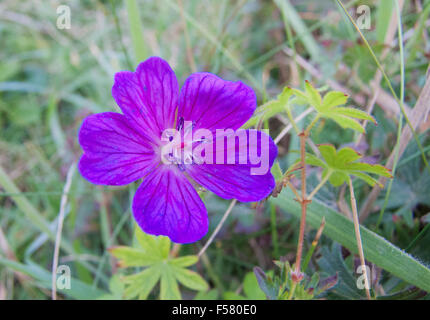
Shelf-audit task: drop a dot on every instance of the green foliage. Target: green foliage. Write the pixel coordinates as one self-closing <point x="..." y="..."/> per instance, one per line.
<point x="339" y="165"/>
<point x="282" y="287"/>
<point x="331" y="261"/>
<point x="329" y="107"/>
<point x="153" y="253"/>
<point x="376" y="249"/>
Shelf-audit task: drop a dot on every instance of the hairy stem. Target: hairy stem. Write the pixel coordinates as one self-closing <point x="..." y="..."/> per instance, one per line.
<point x="314" y="245"/>
<point x="358" y="237"/>
<point x="304" y="202"/>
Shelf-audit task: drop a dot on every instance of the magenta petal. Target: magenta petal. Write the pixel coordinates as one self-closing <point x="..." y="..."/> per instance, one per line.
<point x="235" y="180"/>
<point x="214" y="103"/>
<point x="167" y="204"/>
<point x="148" y="97"/>
<point x="114" y="153"/>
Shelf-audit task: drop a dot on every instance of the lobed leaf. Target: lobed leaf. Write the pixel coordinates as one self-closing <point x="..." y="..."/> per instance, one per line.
<point x="169" y="289"/>
<point x="131" y="257"/>
<point x="189" y="279"/>
<point x="334" y="99"/>
<point x="343" y="163"/>
<point x="184" y="261"/>
<point x="142" y="283"/>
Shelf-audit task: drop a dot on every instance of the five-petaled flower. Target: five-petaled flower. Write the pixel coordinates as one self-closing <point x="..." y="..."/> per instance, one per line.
<point x="122" y="148"/>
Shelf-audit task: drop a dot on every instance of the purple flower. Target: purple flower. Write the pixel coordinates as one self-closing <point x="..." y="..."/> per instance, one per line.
<point x="122" y="148"/>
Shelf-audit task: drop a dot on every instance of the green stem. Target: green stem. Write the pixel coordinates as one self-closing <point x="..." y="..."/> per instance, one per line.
<point x="319" y="186"/>
<point x="291" y="118"/>
<point x="358" y="237"/>
<point x="310" y="126"/>
<point x="293" y="289"/>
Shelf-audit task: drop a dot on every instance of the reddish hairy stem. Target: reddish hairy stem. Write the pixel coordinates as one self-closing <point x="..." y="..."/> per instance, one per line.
<point x="303" y="201"/>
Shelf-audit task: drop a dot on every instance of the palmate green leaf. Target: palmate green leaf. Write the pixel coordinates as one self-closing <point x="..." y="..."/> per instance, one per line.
<point x="376" y="249"/>
<point x="149" y="250"/>
<point x="329" y="107"/>
<point x="153" y="253"/>
<point x="343" y="163"/>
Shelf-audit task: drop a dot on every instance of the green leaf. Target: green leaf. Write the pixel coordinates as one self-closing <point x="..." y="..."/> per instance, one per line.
<point x="376" y="249"/>
<point x="153" y="252"/>
<point x="355" y="113"/>
<point x="371" y="168"/>
<point x="142" y="283"/>
<point x="266" y="284"/>
<point x="312" y="160"/>
<point x="337" y="178"/>
<point x="344" y="122"/>
<point x="156" y="246"/>
<point x="343" y="163"/>
<point x="328" y="107"/>
<point x="334" y="99"/>
<point x="169" y="289"/>
<point x="131" y="257"/>
<point x="185" y="261"/>
<point x="313" y="96"/>
<point x="251" y="288"/>
<point x="190" y="279"/>
<point x="270" y="108"/>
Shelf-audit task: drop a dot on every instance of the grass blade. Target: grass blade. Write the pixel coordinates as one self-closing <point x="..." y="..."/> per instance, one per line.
<point x="136" y="30"/>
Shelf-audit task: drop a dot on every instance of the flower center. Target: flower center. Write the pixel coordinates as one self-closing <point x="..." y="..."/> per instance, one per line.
<point x="179" y="147"/>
